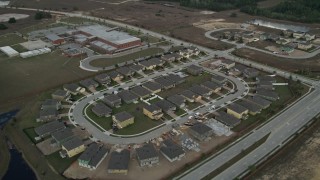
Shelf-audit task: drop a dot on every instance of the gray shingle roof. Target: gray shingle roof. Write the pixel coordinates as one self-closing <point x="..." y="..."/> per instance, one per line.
<point x="71" y="87"/>
<point x="101" y="109"/>
<point x="62" y="134"/>
<point x="102" y="78"/>
<point x="119" y="160"/>
<point x="125" y="71"/>
<point x="165" y="105"/>
<point x="189" y="94"/>
<point x="153" y="86"/>
<point x="48" y="112"/>
<point x="60" y="92"/>
<point x="136" y="67"/>
<point x="259" y="101"/>
<point x="87" y="83"/>
<point x="171" y="149"/>
<point x="72" y="143"/>
<point x="251" y="106"/>
<point x="127" y="96"/>
<point x="199" y="90"/>
<point x="237" y="108"/>
<point x="200" y="128"/>
<point x="227" y="119"/>
<point x="211" y="85"/>
<point x="164" y="82"/>
<point x="146" y="152"/>
<point x="176" y="99"/>
<point x="111" y="98"/>
<point x="123" y="116"/>
<point x="49" y="127"/>
<point x="140" y="91"/>
<point x="175" y="78"/>
<point x="152" y="108"/>
<point x="50" y="102"/>
<point x="94" y="154"/>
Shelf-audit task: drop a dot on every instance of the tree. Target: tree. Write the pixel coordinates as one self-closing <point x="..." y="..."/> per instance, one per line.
<point x="12" y="20"/>
<point x="3" y="27"/>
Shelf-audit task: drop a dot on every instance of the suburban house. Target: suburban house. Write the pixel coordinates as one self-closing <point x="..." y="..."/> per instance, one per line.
<point x="171" y="57"/>
<point x="305" y="46"/>
<point x="60" y="95"/>
<point x="165" y="83"/>
<point x="201" y="131"/>
<point x="178" y="100"/>
<point x="194" y="70"/>
<point x="218" y="79"/>
<point x="283" y="41"/>
<point x="152" y="86"/>
<point x="73" y="88"/>
<point x="103" y="79"/>
<point x="237" y="110"/>
<point x="265" y="85"/>
<point x="190" y="96"/>
<point x="309" y="37"/>
<point x="147" y="155"/>
<point x="250" y="73"/>
<point x="72" y="147"/>
<point x="175" y="78"/>
<point x="101" y="110"/>
<point x="253" y="108"/>
<point x="119" y="162"/>
<point x="51" y="104"/>
<point x="141" y="91"/>
<point x="298" y="35"/>
<point x="48" y="128"/>
<point x="267" y="94"/>
<point x="171" y="150"/>
<point x="194" y="50"/>
<point x="93" y="156"/>
<point x="152" y="111"/>
<point x="89" y="84"/>
<point x="112" y="100"/>
<point x="147" y="65"/>
<point x="123" y="119"/>
<point x="227" y="119"/>
<point x="136" y="67"/>
<point x="259" y="101"/>
<point x="127" y="96"/>
<point x="212" y="86"/>
<point x="62" y="135"/>
<point x="125" y="71"/>
<point x="115" y="76"/>
<point x="166" y="106"/>
<point x="202" y="91"/>
<point x="48" y="114"/>
<point x="287" y="33"/>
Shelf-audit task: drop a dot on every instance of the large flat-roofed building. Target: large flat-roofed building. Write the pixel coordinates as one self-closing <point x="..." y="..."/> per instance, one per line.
<point x="105" y="38"/>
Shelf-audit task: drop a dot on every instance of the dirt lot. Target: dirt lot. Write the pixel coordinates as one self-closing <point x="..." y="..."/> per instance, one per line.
<point x="164" y="169"/>
<point x="312" y="64"/>
<point x="299" y="160"/>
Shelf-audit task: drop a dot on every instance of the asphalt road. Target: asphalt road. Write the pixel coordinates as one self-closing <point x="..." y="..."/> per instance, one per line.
<point x="76" y="111"/>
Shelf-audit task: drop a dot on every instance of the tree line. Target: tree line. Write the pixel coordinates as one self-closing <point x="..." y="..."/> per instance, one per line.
<point x="294" y="10"/>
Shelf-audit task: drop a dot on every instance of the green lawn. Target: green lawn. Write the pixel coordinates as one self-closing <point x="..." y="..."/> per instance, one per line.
<point x="149" y="39"/>
<point x="49" y="23"/>
<point x="190" y="80"/>
<point x="193" y="105"/>
<point x="60" y="164"/>
<point x="141" y="122"/>
<point x="112" y="61"/>
<point x="104" y="122"/>
<point x="10" y="39"/>
<point x="179" y="112"/>
<point x="19" y="48"/>
<point x="31" y="134"/>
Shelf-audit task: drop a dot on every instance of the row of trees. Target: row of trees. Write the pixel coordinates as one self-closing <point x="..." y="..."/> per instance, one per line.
<point x="294" y="10"/>
<point x="215" y="5"/>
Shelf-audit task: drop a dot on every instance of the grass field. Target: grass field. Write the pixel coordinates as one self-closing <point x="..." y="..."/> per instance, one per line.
<point x="26" y="77"/>
<point x="31" y="134"/>
<point x="19" y="48"/>
<point x="60" y="164"/>
<point x="141" y="122"/>
<point x="10" y="39"/>
<point x="111" y="61"/>
<point x="48" y="23"/>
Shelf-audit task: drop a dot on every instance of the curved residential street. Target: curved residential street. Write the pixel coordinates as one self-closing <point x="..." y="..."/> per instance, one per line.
<point x="281" y="127"/>
<point x="76" y="111"/>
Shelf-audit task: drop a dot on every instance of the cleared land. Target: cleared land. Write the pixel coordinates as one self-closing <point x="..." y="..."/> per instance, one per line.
<point x="10" y="39"/>
<point x="27" y="77"/>
<point x="111" y="61"/>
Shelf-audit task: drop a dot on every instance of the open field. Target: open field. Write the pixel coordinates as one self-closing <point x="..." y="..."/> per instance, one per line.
<point x="291" y="65"/>
<point x="26" y="77"/>
<point x="111" y="61"/>
<point x="10" y="39"/>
